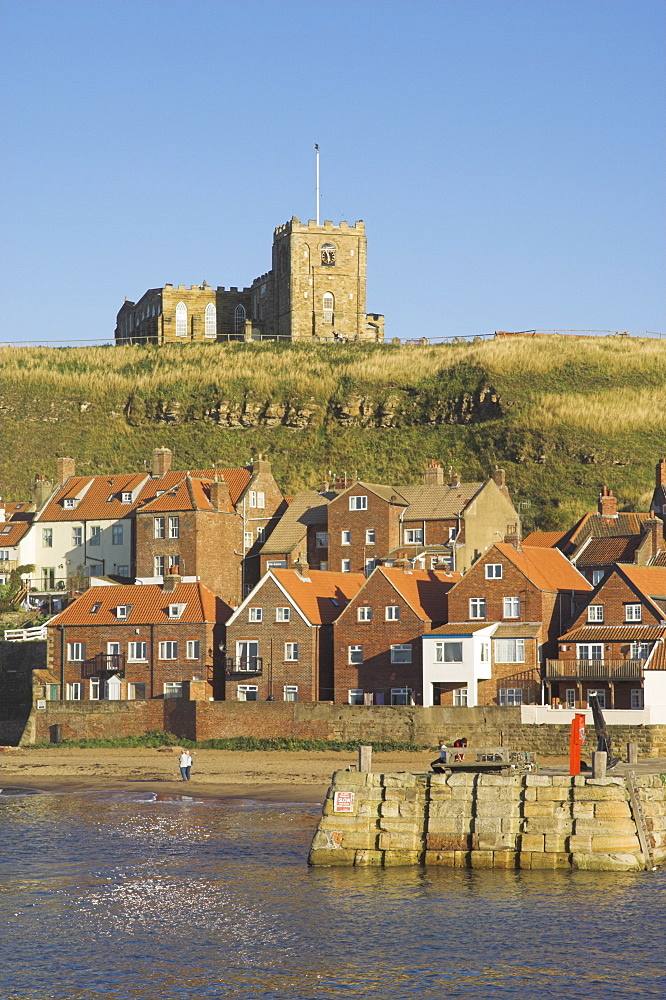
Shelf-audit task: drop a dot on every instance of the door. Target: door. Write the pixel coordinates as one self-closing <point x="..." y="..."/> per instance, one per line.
<point x="246" y="655"/>
<point x="112" y="688"/>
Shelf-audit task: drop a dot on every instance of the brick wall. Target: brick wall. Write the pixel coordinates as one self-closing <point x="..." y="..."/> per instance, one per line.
<point x="380" y="515"/>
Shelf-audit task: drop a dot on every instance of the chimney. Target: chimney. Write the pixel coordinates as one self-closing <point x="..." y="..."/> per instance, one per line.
<point x="607" y="505"/>
<point x="219" y="494"/>
<point x="455" y="482"/>
<point x="3" y="516"/>
<point x="261" y="464"/>
<point x="171" y="581"/>
<point x="499" y="475"/>
<point x="41" y="491"/>
<point x="302" y="568"/>
<point x="653" y="531"/>
<point x="661" y="472"/>
<point x="161" y="462"/>
<point x="434" y="474"/>
<point x="65" y="467"/>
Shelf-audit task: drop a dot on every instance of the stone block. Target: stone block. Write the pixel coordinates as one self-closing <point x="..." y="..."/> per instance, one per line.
<point x="369" y="858"/>
<point x="401" y="779"/>
<point x="525" y="859"/>
<point x="616" y="862"/>
<point x="498" y="842"/>
<point x="497" y="809"/>
<point x="561" y="780"/>
<point x="482" y="859"/>
<point x="554" y="794"/>
<point x="511" y="824"/>
<point x="580" y="843"/>
<point x="530" y="795"/>
<point x="368" y="809"/>
<point x="462" y="793"/>
<point x="538" y="781"/>
<point x="612" y="810"/>
<point x="605" y="782"/>
<point x="360" y="840"/>
<point x="438" y="780"/>
<point x="555" y="860"/>
<point x="505" y="859"/>
<point x="612" y="845"/>
<point x="506" y="782"/>
<point x="582" y="810"/>
<point x="449" y="842"/>
<point x="600" y="793"/>
<point x="399" y="858"/>
<point x="556" y="844"/>
<point x="541" y="809"/>
<point x="464" y="780"/>
<point x="606" y="827"/>
<point x="320" y="856"/>
<point x="400" y="794"/>
<point x="447" y="859"/>
<point x="488" y="824"/>
<point x="531" y="842"/>
<point x="448" y="808"/>
<point x="544" y="825"/>
<point x="351" y="780"/>
<point x="463" y="859"/>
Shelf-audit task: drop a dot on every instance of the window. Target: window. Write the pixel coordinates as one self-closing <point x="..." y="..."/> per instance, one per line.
<point x="261" y="534"/>
<point x="358" y="503"/>
<point x="94" y="689"/>
<point x="512" y="607"/>
<point x="511" y="696"/>
<point x="640" y="650"/>
<point x="173" y="689"/>
<point x="158" y="565"/>
<point x="369" y="566"/>
<point x="123" y="610"/>
<point x="192" y="649"/>
<point x="484" y="652"/>
<point x="477" y="607"/>
<point x="290" y="692"/>
<point x="158" y="527"/>
<point x="117" y="534"/>
<point x="282" y="614"/>
<point x="601" y="696"/>
<point x="453" y="534"/>
<point x="69" y="503"/>
<point x="356" y="696"/>
<point x="210" y="321"/>
<point x="181" y="320"/>
<point x="261" y="499"/>
<point x="401" y="653"/>
<point x="364" y="614"/>
<point x="633" y="612"/>
<point x="590" y="651"/>
<point x="113" y="649"/>
<point x="276" y="564"/>
<point x="369" y="536"/>
<point x="95" y="534"/>
<point x="509" y="650"/>
<point x="247" y="692"/>
<point x="168" y="650"/>
<point x="291" y="651"/>
<point x="355" y="654"/>
<point x="346" y="566"/>
<point x="345" y="538"/>
<point x="248" y="540"/>
<point x="137" y="652"/>
<point x="4" y="554"/>
<point x="448" y="652"/>
<point x="239" y="325"/>
<point x="321" y="539"/>
<point x="400" y="696"/>
<point x="126" y="496"/>
<point x="174" y="526"/>
<point x="493" y="571"/>
<point x="595" y="613"/>
<point x="123" y="571"/>
<point x="328" y="304"/>
<point x="392" y="613"/>
<point x="459" y="696"/>
<point x="252" y="498"/>
<point x="47" y="538"/>
<point x="73" y="691"/>
<point x="247" y="655"/>
<point x="48" y="577"/>
<point x="76" y="651"/>
<point x="77" y="536"/>
<point x="136" y="692"/>
<point x="413" y="535"/>
<point x="570" y="697"/>
<point x="255" y="614"/>
<point x="597" y="576"/>
<point x="176" y="610"/>
<point x="636" y="698"/>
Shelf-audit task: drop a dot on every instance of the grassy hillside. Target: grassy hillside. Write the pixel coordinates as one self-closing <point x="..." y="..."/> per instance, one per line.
<point x="561" y="415"/>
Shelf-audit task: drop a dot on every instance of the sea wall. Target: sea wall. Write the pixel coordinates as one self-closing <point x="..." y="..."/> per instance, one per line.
<point x="204" y="720"/>
<point x="492" y="821"/>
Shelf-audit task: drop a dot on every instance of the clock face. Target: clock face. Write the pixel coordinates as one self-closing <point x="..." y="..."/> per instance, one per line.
<point x="328" y="255"/>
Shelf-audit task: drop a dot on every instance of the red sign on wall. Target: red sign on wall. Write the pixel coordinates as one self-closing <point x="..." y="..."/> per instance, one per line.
<point x="343" y="802"/>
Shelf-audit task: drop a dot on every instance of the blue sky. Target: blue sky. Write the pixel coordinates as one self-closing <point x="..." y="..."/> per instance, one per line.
<point x="506" y="157"/>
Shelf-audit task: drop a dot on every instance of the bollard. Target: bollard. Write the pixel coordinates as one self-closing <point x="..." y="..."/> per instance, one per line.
<point x="632" y="753"/>
<point x="55" y="733"/>
<point x="365" y="758"/>
<point x="599" y="761"/>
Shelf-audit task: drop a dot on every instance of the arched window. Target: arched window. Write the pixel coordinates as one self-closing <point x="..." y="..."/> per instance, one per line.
<point x="239" y="320"/>
<point x="210" y="322"/>
<point x="181" y="320"/>
<point x="328" y="304"/>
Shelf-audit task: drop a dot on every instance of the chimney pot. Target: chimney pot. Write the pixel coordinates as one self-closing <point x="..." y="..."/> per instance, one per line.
<point x="66" y="467"/>
<point x="171" y="581"/>
<point x="434" y="474"/>
<point x="607" y="503"/>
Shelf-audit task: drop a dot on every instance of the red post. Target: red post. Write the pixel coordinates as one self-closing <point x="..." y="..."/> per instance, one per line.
<point x="576" y="740"/>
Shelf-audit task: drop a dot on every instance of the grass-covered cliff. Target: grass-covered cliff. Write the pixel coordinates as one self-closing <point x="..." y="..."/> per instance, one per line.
<point x="561" y="415"/>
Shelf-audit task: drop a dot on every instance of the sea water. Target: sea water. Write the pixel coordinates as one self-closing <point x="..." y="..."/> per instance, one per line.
<point x="121" y="895"/>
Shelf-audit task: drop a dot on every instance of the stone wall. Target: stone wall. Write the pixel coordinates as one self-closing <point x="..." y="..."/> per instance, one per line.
<point x="490" y="821"/>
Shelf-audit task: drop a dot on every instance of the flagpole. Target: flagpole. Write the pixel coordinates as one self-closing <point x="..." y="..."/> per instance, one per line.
<point x="317" y="180"/>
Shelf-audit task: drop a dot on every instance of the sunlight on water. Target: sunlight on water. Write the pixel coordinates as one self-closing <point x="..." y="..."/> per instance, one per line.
<point x="115" y="895"/>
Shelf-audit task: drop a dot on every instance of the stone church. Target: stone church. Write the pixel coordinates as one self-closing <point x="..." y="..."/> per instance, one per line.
<point x="315" y="291"/>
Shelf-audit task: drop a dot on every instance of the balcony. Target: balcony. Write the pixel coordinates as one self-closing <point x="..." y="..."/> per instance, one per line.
<point x="104" y="664"/>
<point x="594" y="670"/>
<point x="250" y="666"/>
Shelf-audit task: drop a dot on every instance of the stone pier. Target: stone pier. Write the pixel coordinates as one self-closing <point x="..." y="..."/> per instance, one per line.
<point x="492" y="821"/>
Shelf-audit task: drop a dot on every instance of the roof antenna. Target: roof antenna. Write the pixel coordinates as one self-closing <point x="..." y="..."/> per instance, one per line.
<point x="317" y="179"/>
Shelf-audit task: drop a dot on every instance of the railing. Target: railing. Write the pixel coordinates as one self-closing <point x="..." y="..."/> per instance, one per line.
<point x="36" y="634"/>
<point x="104" y="663"/>
<point x="7" y="565"/>
<point x="243" y="665"/>
<point x="595" y="670"/>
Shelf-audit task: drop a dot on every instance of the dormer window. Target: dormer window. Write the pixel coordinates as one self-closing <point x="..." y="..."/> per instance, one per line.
<point x="123" y="611"/>
<point x="69" y="503"/>
<point x="126" y="496"/>
<point x="176" y="610"/>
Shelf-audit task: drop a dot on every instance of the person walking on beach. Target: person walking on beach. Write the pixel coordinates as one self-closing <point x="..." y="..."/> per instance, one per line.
<point x="185" y="764"/>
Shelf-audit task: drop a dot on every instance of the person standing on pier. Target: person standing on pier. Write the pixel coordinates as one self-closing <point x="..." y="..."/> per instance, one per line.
<point x="185" y="764"/>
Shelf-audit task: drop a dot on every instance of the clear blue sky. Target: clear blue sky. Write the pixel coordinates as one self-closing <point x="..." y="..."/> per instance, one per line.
<point x="506" y="157"/>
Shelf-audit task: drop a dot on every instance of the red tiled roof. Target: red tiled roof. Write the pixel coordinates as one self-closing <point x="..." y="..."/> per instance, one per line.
<point x="657" y="660"/>
<point x="12" y="507"/>
<point x="543" y="539"/>
<point x="614" y="633"/>
<point x="650" y="580"/>
<point x="547" y="569"/>
<point x="606" y="551"/>
<point x="236" y="479"/>
<point x="11" y="532"/>
<point x="659" y="559"/>
<point x="150" y="605"/>
<point x="626" y="523"/>
<point x="424" y="590"/>
<point x="188" y="494"/>
<point x="315" y="595"/>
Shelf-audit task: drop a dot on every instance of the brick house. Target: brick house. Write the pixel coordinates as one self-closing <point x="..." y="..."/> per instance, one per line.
<point x="529" y="595"/>
<point x="137" y="641"/>
<point x="279" y="642"/>
<point x="658" y="502"/>
<point x="436" y="524"/>
<point x="616" y="645"/>
<point x="377" y="656"/>
<point x="301" y="533"/>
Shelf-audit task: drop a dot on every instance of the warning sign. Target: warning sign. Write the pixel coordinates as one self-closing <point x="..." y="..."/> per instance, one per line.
<point x="343" y="802"/>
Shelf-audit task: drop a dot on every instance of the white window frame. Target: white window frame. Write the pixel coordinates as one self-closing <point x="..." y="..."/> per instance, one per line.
<point x="442" y="648"/>
<point x="176" y="610"/>
<point x="345" y="566"/>
<point x="633" y="612"/>
<point x="640" y="650"/>
<point x="248" y="539"/>
<point x="252" y="498"/>
<point x="511" y="607"/>
<point x="582" y="647"/>
<point x="364" y="613"/>
<point x="240" y="315"/>
<point x="570" y="697"/>
<point x="291" y="652"/>
<point x="210" y="321"/>
<point x="123" y="612"/>
<point x="595" y="612"/>
<point x="77" y="536"/>
<point x="600" y="693"/>
<point x="460" y="697"/>
<point x="193" y="649"/>
<point x="283" y="614"/>
<point x="126" y="496"/>
<point x="511" y="697"/>
<point x="401" y="652"/>
<point x="93" y="692"/>
<point x="159" y="527"/>
<point x="509" y="650"/>
<point x="243" y="690"/>
<point x="135" y="649"/>
<point x="370" y="535"/>
<point x="47" y="538"/>
<point x="392" y="613"/>
<point x="76" y="652"/>
<point x="123" y="570"/>
<point x="477" y="608"/>
<point x="74" y="691"/>
<point x="355" y="654"/>
<point x="355" y="696"/>
<point x="158" y="565"/>
<point x="413" y="536"/>
<point x="493" y="571"/>
<point x="181" y="320"/>
<point x="174" y="526"/>
<point x="168" y="649"/>
<point x="69" y="503"/>
<point x="255" y="615"/>
<point x="173" y="689"/>
<point x="328" y="307"/>
<point x="290" y="692"/>
<point x="358" y="503"/>
<point x="597" y="576"/>
<point x="401" y="696"/>
<point x="484" y="651"/>
<point x="261" y="533"/>
<point x="261" y="499"/>
<point x="345" y="537"/>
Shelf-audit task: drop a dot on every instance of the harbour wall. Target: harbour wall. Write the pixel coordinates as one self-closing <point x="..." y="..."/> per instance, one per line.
<point x="205" y="720"/>
<point x="493" y="821"/>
